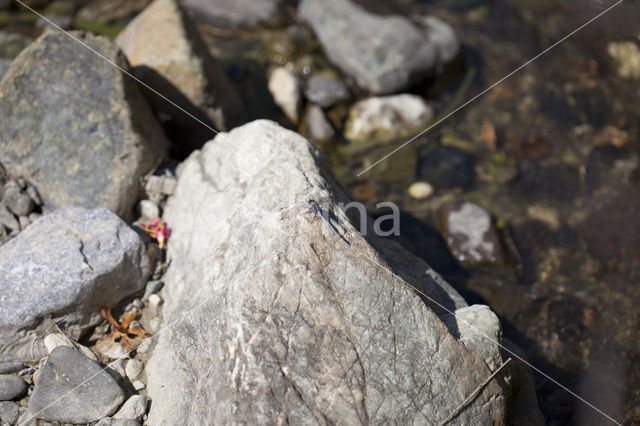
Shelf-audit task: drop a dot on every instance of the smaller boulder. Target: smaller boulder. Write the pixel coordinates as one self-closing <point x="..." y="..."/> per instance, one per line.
<point x="11" y="387"/>
<point x="69" y="264"/>
<point x="167" y="53"/>
<point x="74" y="389"/>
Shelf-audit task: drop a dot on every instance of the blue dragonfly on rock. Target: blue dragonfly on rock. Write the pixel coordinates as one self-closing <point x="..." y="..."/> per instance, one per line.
<point x="315" y="208"/>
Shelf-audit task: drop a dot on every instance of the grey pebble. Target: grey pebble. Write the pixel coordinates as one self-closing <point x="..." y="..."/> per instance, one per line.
<point x="151" y="288"/>
<point x="10" y="367"/>
<point x="11" y="387"/>
<point x="134" y="408"/>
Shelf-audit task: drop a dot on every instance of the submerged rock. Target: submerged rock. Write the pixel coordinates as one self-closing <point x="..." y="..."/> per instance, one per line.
<point x="446" y="167"/>
<point x="74" y="389"/>
<point x="626" y="55"/>
<point x="288" y="322"/>
<point x="382" y="119"/>
<point x="326" y="90"/>
<point x="68" y="264"/>
<point x="384" y="54"/>
<point x="79" y="130"/>
<point x="469" y="233"/>
<point x="167" y="53"/>
<point x="234" y="13"/>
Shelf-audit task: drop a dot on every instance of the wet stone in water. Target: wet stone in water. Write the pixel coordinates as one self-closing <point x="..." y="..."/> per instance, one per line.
<point x="468" y="231"/>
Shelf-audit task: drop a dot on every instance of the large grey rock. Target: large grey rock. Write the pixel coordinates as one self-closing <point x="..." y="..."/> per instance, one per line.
<point x="75" y="126"/>
<point x="11" y="387"/>
<point x="383" y="53"/>
<point x="234" y="13"/>
<point x="66" y="265"/>
<point x="289" y="323"/>
<point x="74" y="389"/>
<point x="163" y="46"/>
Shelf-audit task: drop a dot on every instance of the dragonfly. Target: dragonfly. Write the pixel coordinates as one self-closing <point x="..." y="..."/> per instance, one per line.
<point x="315" y="208"/>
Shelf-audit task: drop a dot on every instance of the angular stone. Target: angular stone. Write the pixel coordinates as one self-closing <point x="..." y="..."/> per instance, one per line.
<point x="134" y="369"/>
<point x="163" y="46"/>
<point x="317" y="125"/>
<point x="293" y="322"/>
<point x="234" y="13"/>
<point x="11" y="387"/>
<point x="384" y="54"/>
<point x="74" y="389"/>
<point x="285" y="89"/>
<point x="68" y="264"/>
<point x="134" y="408"/>
<point x="79" y="130"/>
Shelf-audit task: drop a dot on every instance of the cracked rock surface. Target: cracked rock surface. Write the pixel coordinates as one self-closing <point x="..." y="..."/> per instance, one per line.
<point x="289" y="323"/>
<point x="66" y="265"/>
